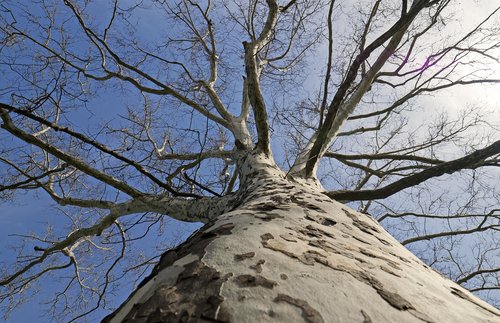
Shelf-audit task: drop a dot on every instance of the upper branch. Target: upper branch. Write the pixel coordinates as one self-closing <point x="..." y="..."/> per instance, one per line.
<point x="340" y="109"/>
<point x="476" y="273"/>
<point x="329" y="63"/>
<point x="382" y="156"/>
<point x="97" y="145"/>
<point x="158" y="87"/>
<point x="9" y="126"/>
<point x="471" y="161"/>
<point x="203" y="210"/>
<point x="482" y="226"/>
<point x="253" y="70"/>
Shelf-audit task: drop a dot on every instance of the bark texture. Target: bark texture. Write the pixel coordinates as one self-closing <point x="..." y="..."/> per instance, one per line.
<point x="288" y="253"/>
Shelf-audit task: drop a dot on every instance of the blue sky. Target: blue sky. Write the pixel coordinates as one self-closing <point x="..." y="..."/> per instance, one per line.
<point x="30" y="211"/>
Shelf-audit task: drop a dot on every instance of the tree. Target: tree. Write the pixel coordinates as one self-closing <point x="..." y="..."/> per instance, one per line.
<point x="205" y="85"/>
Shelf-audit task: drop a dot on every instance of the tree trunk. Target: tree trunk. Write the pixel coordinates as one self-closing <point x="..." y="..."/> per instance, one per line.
<point x="288" y="253"/>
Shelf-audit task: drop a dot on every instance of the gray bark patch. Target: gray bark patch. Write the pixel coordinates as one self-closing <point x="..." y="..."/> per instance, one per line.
<point x="328" y="222"/>
<point x="266" y="236"/>
<point x="194" y="298"/>
<point x="266" y="207"/>
<point x="269" y="216"/>
<point x="394" y="299"/>
<point x="307" y="206"/>
<point x="309" y="314"/>
<point x="244" y="256"/>
<point x="324" y="245"/>
<point x="321" y="220"/>
<point x="312" y="256"/>
<point x="314" y="232"/>
<point x="258" y="266"/>
<point x="254" y="281"/>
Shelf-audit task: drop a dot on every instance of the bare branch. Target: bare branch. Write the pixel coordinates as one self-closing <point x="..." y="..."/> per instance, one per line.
<point x="253" y="69"/>
<point x="479" y="228"/>
<point x="71" y="160"/>
<point x="97" y="145"/>
<point x="471" y="161"/>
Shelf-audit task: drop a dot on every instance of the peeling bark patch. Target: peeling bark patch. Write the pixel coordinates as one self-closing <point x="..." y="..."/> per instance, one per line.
<point x="328" y="222"/>
<point x="254" y="281"/>
<point x="400" y="258"/>
<point x="361" y="225"/>
<point x="324" y="245"/>
<point x="309" y="314"/>
<point x="321" y="220"/>
<point x="269" y="216"/>
<point x="312" y="256"/>
<point x="314" y="232"/>
<point x="361" y="240"/>
<point x="309" y="206"/>
<point x="387" y="243"/>
<point x="314" y="208"/>
<point x="244" y="256"/>
<point x="389" y="262"/>
<point x="308" y="257"/>
<point x="368" y="253"/>
<point x="459" y="293"/>
<point x="296" y="199"/>
<point x="394" y="265"/>
<point x="258" y="266"/>
<point x="222" y="230"/>
<point x="279" y="199"/>
<point x="394" y="299"/>
<point x="287" y="237"/>
<point x="361" y="260"/>
<point x="194" y="298"/>
<point x="279" y="248"/>
<point x="266" y="236"/>
<point x="365" y="227"/>
<point x="366" y="317"/>
<point x="266" y="207"/>
<point x="387" y="270"/>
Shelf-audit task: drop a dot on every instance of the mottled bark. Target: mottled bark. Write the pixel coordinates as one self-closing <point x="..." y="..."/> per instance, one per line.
<point x="288" y="253"/>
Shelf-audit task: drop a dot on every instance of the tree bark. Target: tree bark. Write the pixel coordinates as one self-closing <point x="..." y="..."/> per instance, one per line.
<point x="288" y="253"/>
